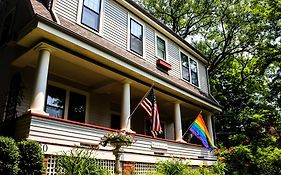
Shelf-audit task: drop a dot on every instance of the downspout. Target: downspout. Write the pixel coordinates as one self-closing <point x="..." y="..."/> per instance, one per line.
<point x="52" y="11"/>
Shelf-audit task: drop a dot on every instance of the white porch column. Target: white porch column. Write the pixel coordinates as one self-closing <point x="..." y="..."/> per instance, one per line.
<point x="40" y="83"/>
<point x="210" y="126"/>
<point x="125" y="123"/>
<point x="177" y="122"/>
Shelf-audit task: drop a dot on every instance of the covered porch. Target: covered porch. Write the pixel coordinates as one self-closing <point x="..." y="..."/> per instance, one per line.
<point x="72" y="100"/>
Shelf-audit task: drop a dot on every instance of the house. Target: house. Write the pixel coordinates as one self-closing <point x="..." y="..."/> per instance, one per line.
<point x="73" y="70"/>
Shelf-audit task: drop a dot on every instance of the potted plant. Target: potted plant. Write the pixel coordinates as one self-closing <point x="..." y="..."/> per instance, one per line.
<point x="117" y="140"/>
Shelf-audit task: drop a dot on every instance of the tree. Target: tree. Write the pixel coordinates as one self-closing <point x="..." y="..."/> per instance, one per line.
<point x="241" y="41"/>
<point x="185" y="17"/>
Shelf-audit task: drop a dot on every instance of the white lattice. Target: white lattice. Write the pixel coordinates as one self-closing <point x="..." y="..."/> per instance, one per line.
<point x="107" y="164"/>
<point x="140" y="168"/>
<point x="51" y="165"/>
<point x="144" y="168"/>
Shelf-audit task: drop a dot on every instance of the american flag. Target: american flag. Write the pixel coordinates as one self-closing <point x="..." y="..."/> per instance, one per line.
<point x="150" y="106"/>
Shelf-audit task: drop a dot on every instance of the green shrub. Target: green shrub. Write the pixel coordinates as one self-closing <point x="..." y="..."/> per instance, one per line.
<point x="178" y="167"/>
<point x="239" y="160"/>
<point x="268" y="161"/>
<point x="171" y="167"/>
<point x="78" y="162"/>
<point x="31" y="158"/>
<point x="9" y="156"/>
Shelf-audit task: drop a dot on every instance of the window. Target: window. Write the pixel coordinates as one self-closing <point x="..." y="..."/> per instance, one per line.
<point x="60" y="101"/>
<point x="185" y="67"/>
<point x="194" y="72"/>
<point x="161" y="48"/>
<point x="189" y="69"/>
<point x="91" y="14"/>
<point x="77" y="107"/>
<point x="136" y="37"/>
<point x="55" y="102"/>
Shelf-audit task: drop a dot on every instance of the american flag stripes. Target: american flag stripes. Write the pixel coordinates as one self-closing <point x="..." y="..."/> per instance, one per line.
<point x="150" y="106"/>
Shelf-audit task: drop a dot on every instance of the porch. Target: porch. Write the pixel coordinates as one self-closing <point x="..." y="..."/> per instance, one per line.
<point x="74" y="99"/>
<point x="56" y="135"/>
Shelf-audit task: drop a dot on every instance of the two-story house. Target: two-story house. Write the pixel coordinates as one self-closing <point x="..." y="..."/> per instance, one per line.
<point x="72" y="70"/>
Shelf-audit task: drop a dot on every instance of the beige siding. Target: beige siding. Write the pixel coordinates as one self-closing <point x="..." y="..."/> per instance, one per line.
<point x="150" y="45"/>
<point x="115" y="24"/>
<point x="174" y="59"/>
<point x="100" y="112"/>
<point x="67" y="9"/>
<point x="203" y="78"/>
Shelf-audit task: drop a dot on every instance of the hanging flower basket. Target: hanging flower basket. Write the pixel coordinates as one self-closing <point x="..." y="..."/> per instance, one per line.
<point x="117" y="139"/>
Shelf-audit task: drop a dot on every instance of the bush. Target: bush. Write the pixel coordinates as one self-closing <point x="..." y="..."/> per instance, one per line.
<point x="31" y="158"/>
<point x="9" y="156"/>
<point x="268" y="161"/>
<point x="239" y="160"/>
<point x="178" y="167"/>
<point x="171" y="167"/>
<point x="78" y="162"/>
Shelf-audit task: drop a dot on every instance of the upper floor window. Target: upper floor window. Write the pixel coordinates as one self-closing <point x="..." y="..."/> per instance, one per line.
<point x="63" y="103"/>
<point x="185" y="67"/>
<point x="194" y="72"/>
<point x="161" y="48"/>
<point x="189" y="69"/>
<point x="91" y="14"/>
<point x="136" y="37"/>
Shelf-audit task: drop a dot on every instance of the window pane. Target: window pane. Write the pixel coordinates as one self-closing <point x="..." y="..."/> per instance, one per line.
<point x="184" y="60"/>
<point x="136" y="29"/>
<point x="194" y="74"/>
<point x="90" y="19"/>
<point x="161" y="52"/>
<point x="194" y="78"/>
<point x="77" y="107"/>
<point x="193" y="66"/>
<point x="136" y="45"/>
<point x="55" y="101"/>
<point x="185" y="73"/>
<point x="93" y="4"/>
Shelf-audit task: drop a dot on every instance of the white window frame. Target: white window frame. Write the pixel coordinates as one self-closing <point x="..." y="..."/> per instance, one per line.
<point x="130" y="16"/>
<point x="79" y="17"/>
<point x="166" y="46"/>
<point x="190" y="78"/>
<point x="69" y="89"/>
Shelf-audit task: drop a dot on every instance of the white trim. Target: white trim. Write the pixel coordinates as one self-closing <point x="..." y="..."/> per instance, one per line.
<point x="130" y="16"/>
<point x="189" y="69"/>
<point x="69" y="89"/>
<point x="115" y="60"/>
<point x="66" y="105"/>
<point x="101" y="16"/>
<point x="166" y="46"/>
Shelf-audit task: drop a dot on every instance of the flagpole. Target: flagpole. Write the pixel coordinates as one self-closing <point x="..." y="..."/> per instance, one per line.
<point x="139" y="104"/>
<point x="190" y="125"/>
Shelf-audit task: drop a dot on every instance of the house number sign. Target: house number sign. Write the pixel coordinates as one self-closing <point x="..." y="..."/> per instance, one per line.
<point x="44" y="147"/>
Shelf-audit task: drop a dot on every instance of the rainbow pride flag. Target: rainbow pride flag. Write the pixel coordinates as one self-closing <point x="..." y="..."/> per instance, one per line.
<point x="199" y="129"/>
